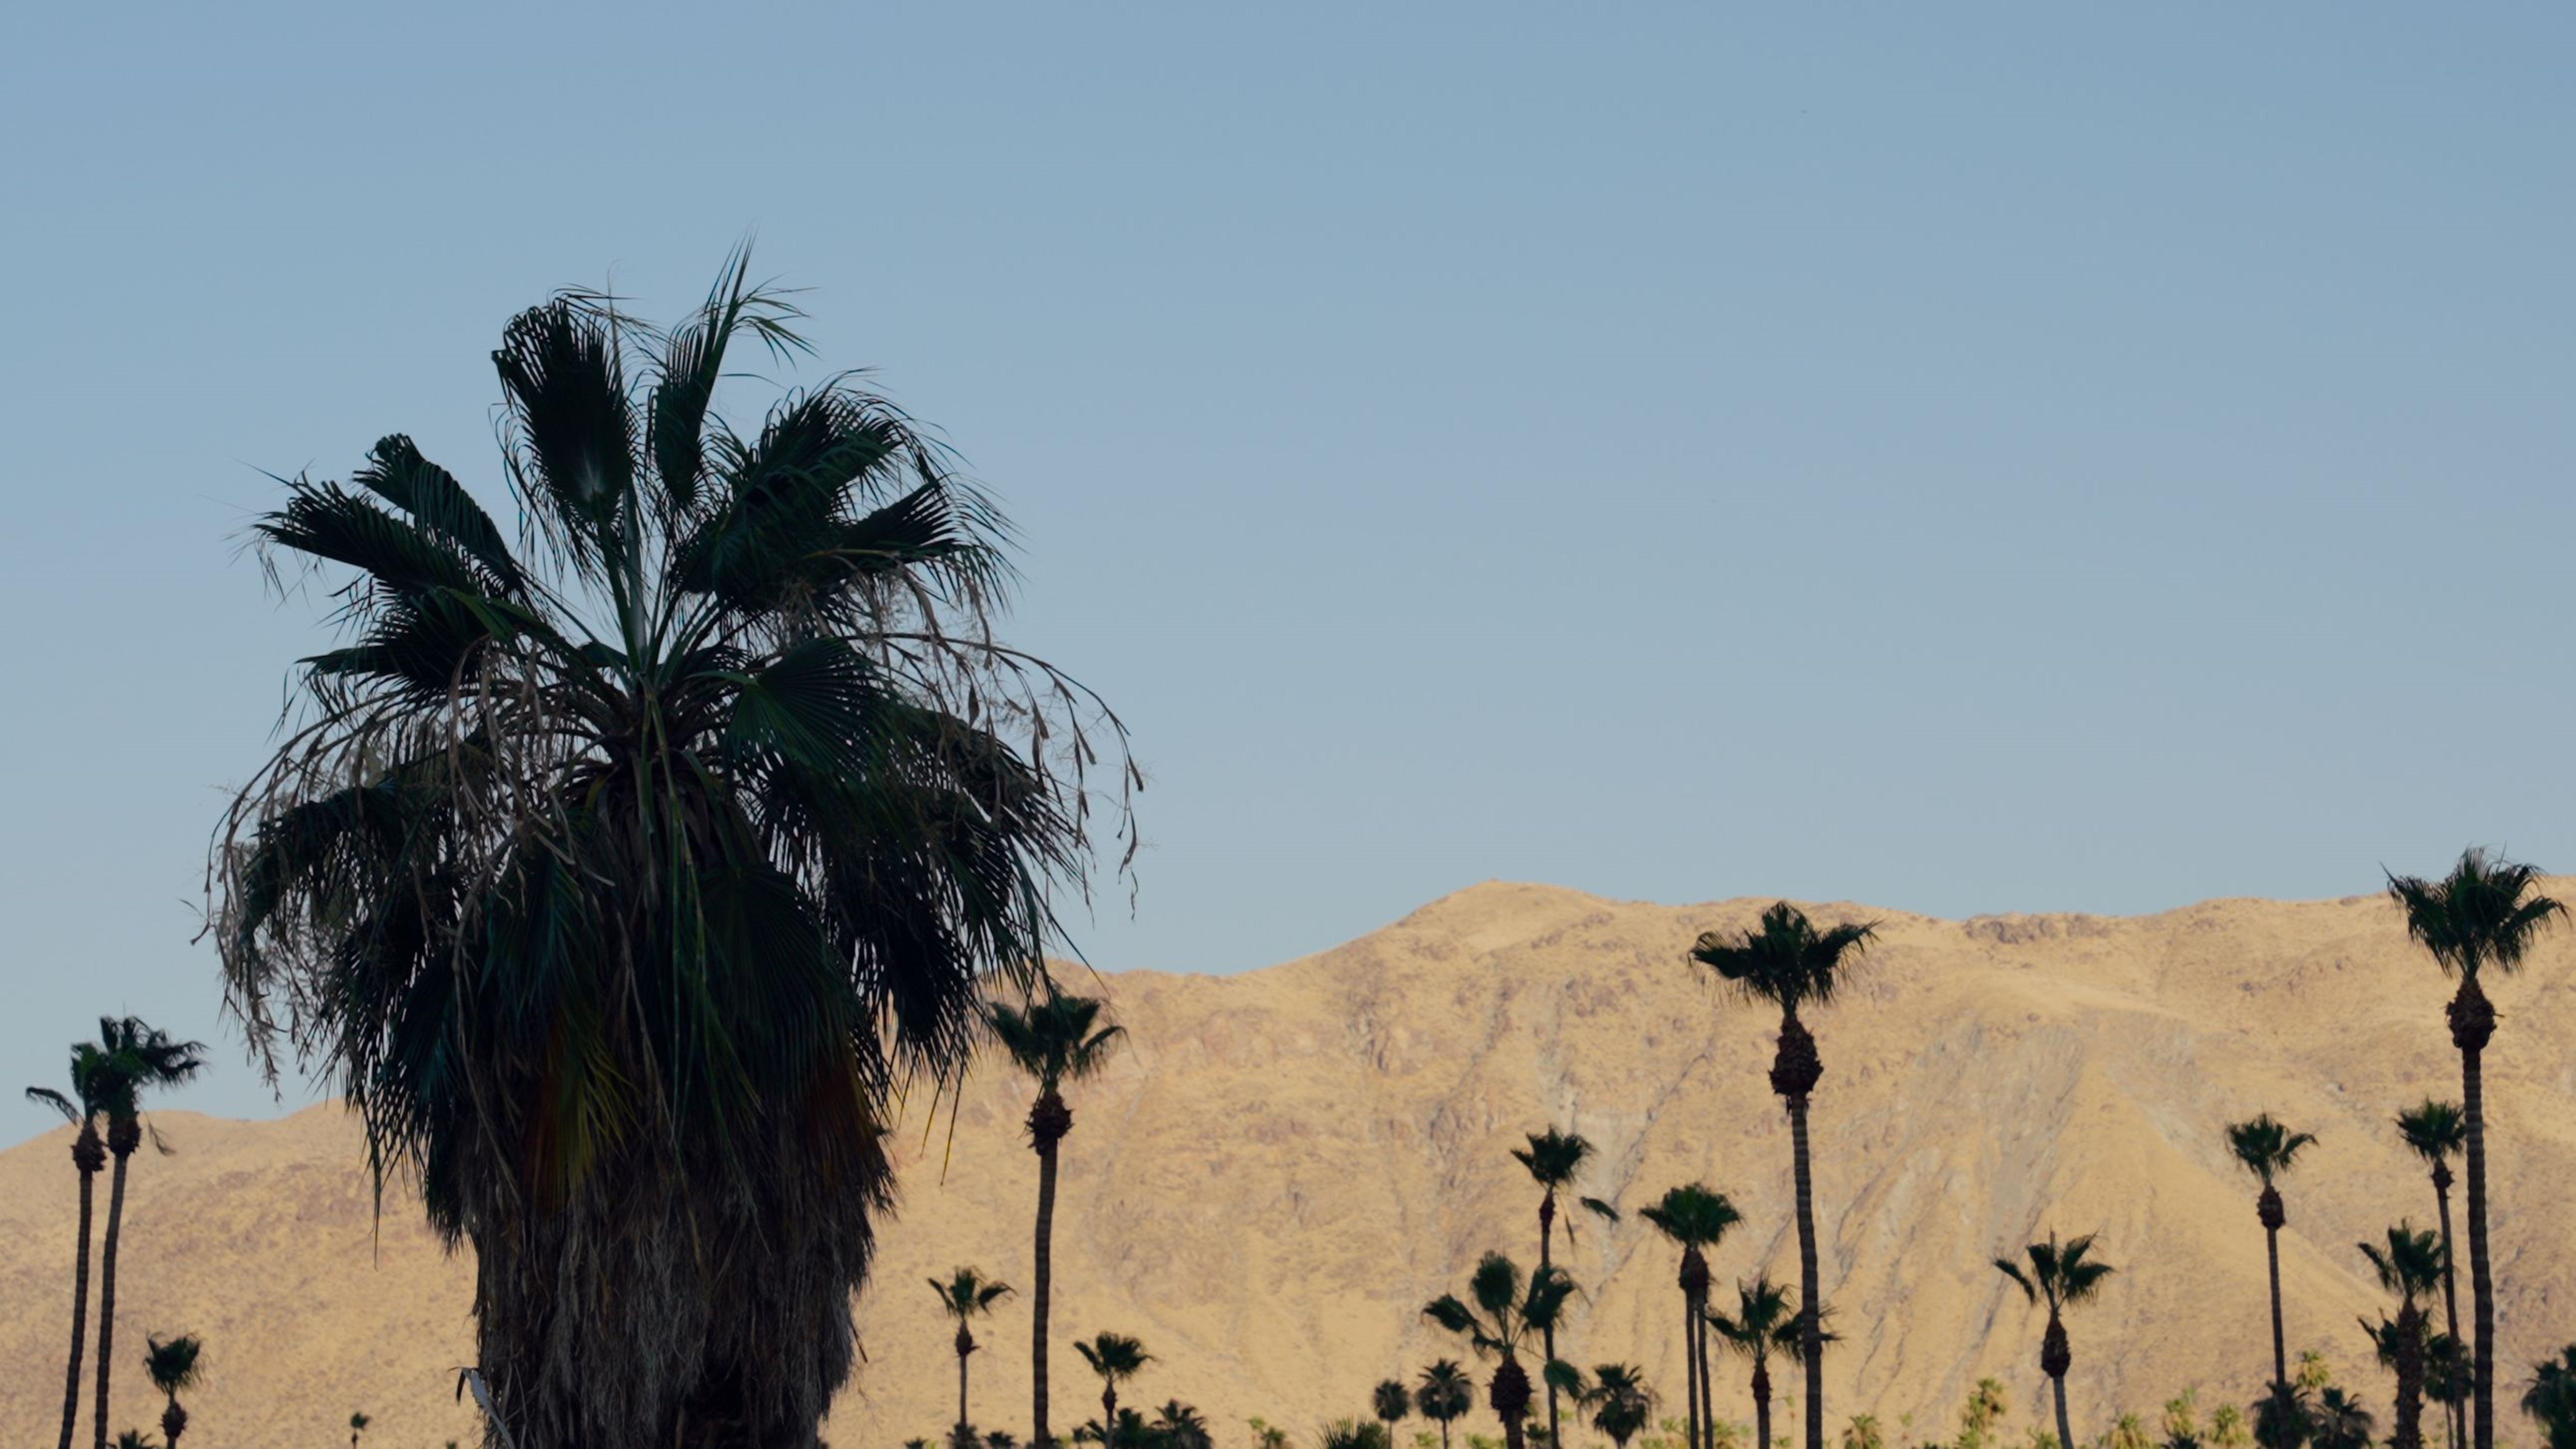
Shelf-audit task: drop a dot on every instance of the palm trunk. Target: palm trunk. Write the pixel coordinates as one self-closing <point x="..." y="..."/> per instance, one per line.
<point x="1109" y="1417"/>
<point x="1811" y="1339"/>
<point x="174" y="1422"/>
<point x="2451" y="1425"/>
<point x="2065" y="1436"/>
<point x="2410" y="1379"/>
<point x="107" y="1283"/>
<point x="964" y="1348"/>
<point x="2055" y="1358"/>
<point x="1044" y="1253"/>
<point x="85" y="1155"/>
<point x="1762" y="1401"/>
<point x="1444" y="1434"/>
<point x="1707" y="1384"/>
<point x="1690" y="1369"/>
<point x="2481" y="1284"/>
<point x="2280" y="1355"/>
<point x="1546" y="1233"/>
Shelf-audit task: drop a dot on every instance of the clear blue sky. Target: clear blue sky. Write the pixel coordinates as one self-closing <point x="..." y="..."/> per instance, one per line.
<point x="1962" y="459"/>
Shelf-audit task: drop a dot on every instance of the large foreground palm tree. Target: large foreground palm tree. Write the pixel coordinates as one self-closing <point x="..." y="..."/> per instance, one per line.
<point x="1788" y="962"/>
<point x="171" y="1365"/>
<point x="1506" y="1314"/>
<point x="2265" y="1148"/>
<point x="92" y="1083"/>
<point x="2060" y="1275"/>
<point x="1694" y="1217"/>
<point x="1765" y="1321"/>
<point x="1553" y="1159"/>
<point x="622" y="880"/>
<point x="2408" y="1265"/>
<point x="2435" y="1131"/>
<point x="965" y="1295"/>
<point x="140" y="1059"/>
<point x="2486" y="913"/>
<point x="1055" y="1039"/>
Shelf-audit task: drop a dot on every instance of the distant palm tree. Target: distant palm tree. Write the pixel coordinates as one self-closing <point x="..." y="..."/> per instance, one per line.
<point x="1788" y="962"/>
<point x="1116" y="1358"/>
<point x="2486" y="912"/>
<point x="2410" y="1266"/>
<point x="2435" y="1131"/>
<point x="1553" y="1158"/>
<point x="140" y="1059"/>
<point x="2284" y="1419"/>
<point x="2446" y="1380"/>
<point x="357" y="1423"/>
<point x="965" y="1296"/>
<point x="1696" y="1217"/>
<point x="1444" y="1394"/>
<point x="1766" y="1321"/>
<point x="1507" y="1313"/>
<point x="2060" y="1276"/>
<point x="134" y="1439"/>
<point x="1621" y="1403"/>
<point x="1353" y="1434"/>
<point x="91" y="1085"/>
<point x="2551" y="1399"/>
<point x="2267" y="1149"/>
<point x="2339" y="1421"/>
<point x="1179" y="1426"/>
<point x="1391" y="1401"/>
<point x="1057" y="1039"/>
<point x="173" y="1365"/>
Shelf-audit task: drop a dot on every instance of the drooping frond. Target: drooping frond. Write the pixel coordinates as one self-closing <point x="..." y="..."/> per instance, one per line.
<point x="2434" y="1130"/>
<point x="2485" y="912"/>
<point x="2265" y="1147"/>
<point x="1554" y="1157"/>
<point x="1693" y="1215"/>
<point x="2409" y="1264"/>
<point x="1784" y="959"/>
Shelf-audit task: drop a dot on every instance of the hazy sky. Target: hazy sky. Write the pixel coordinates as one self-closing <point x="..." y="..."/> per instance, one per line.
<point x="1961" y="459"/>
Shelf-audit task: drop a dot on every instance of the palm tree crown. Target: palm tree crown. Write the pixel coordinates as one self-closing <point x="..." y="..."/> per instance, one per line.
<point x="2266" y="1148"/>
<point x="2059" y="1275"/>
<point x="2435" y="1131"/>
<point x="1693" y="1215"/>
<point x="1765" y="1320"/>
<point x="1444" y="1393"/>
<point x="2551" y="1399"/>
<point x="620" y="879"/>
<point x="1056" y="1038"/>
<point x="1115" y="1357"/>
<point x="1785" y="960"/>
<point x="2484" y="913"/>
<point x="967" y="1293"/>
<point x="2409" y="1265"/>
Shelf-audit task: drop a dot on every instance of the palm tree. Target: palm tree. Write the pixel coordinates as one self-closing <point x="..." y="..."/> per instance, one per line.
<point x="2436" y="1131"/>
<point x="134" y="1439"/>
<point x="1056" y="1039"/>
<point x="2551" y="1399"/>
<point x="139" y="1059"/>
<point x="1696" y="1217"/>
<point x="1353" y="1434"/>
<point x="2410" y="1266"/>
<point x="1507" y="1312"/>
<point x="1444" y="1394"/>
<point x="2339" y="1421"/>
<point x="1766" y="1320"/>
<point x="2284" y="1419"/>
<point x="1116" y="1358"/>
<point x="2060" y="1276"/>
<point x="1786" y="961"/>
<point x="1621" y="1403"/>
<point x="966" y="1295"/>
<point x="91" y="1085"/>
<point x="357" y="1423"/>
<point x="2267" y="1149"/>
<point x="173" y="1365"/>
<point x="2486" y="912"/>
<point x="2446" y="1378"/>
<point x="1390" y="1401"/>
<point x="1179" y="1426"/>
<point x="624" y="881"/>
<point x="1553" y="1158"/>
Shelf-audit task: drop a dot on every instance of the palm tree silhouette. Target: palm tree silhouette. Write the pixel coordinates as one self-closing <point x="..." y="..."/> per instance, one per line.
<point x="2410" y="1266"/>
<point x="1116" y="1358"/>
<point x="1179" y="1426"/>
<point x="1444" y="1394"/>
<point x="139" y="1059"/>
<point x="1390" y="1402"/>
<point x="624" y="881"/>
<point x="91" y="1086"/>
<point x="2486" y="912"/>
<point x="1056" y="1039"/>
<point x="965" y="1296"/>
<point x="357" y="1424"/>
<point x="1696" y="1217"/>
<point x="2060" y="1276"/>
<point x="1788" y="962"/>
<point x="2551" y="1399"/>
<point x="1621" y="1403"/>
<point x="1766" y="1321"/>
<point x="2435" y="1131"/>
<point x="2339" y="1421"/>
<point x="1553" y="1158"/>
<point x="1507" y="1312"/>
<point x="2267" y="1149"/>
<point x="172" y="1365"/>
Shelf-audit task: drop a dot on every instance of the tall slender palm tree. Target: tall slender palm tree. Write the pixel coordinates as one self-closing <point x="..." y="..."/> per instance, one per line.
<point x="623" y="881"/>
<point x="2267" y="1149"/>
<point x="1444" y="1393"/>
<point x="1116" y="1358"/>
<point x="2551" y="1399"/>
<point x="171" y="1365"/>
<point x="1696" y="1217"/>
<point x="1766" y="1321"/>
<point x="140" y="1059"/>
<point x="91" y="1085"/>
<point x="1788" y="962"/>
<point x="2435" y="1131"/>
<point x="1621" y="1403"/>
<point x="1507" y="1313"/>
<point x="1553" y="1158"/>
<point x="1056" y="1039"/>
<point x="2060" y="1275"/>
<point x="2486" y="913"/>
<point x="965" y="1295"/>
<point x="2409" y="1265"/>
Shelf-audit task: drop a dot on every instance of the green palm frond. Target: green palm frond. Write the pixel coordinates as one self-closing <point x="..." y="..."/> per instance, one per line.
<point x="2409" y="1264"/>
<point x="2061" y="1274"/>
<point x="173" y="1365"/>
<point x="2265" y="1147"/>
<point x="1693" y="1215"/>
<point x="1056" y="1038"/>
<point x="1444" y="1393"/>
<point x="1114" y="1356"/>
<point x="2485" y="912"/>
<point x="1554" y="1157"/>
<point x="2434" y="1130"/>
<point x="1785" y="960"/>
<point x="2551" y="1398"/>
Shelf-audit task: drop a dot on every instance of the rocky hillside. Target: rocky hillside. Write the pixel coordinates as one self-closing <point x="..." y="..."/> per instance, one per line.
<point x="1287" y="1163"/>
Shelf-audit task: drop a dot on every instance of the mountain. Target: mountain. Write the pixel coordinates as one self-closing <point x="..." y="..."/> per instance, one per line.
<point x="1284" y="1165"/>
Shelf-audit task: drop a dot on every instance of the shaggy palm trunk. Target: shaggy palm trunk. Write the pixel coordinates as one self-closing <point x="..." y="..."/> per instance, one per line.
<point x="1109" y="1417"/>
<point x="1707" y="1385"/>
<point x="2410" y="1379"/>
<point x="2453" y="1430"/>
<point x="1546" y="1236"/>
<point x="1510" y="1396"/>
<point x="88" y="1155"/>
<point x="174" y="1422"/>
<point x="2269" y="1210"/>
<point x="1795" y="1070"/>
<point x="2472" y="1025"/>
<point x="2055" y="1358"/>
<point x="1049" y="1120"/>
<point x="1762" y="1401"/>
<point x="122" y="1138"/>
<point x="1694" y="1286"/>
<point x="965" y="1346"/>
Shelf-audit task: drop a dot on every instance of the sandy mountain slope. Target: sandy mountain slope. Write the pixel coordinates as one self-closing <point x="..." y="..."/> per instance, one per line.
<point x="1288" y="1163"/>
